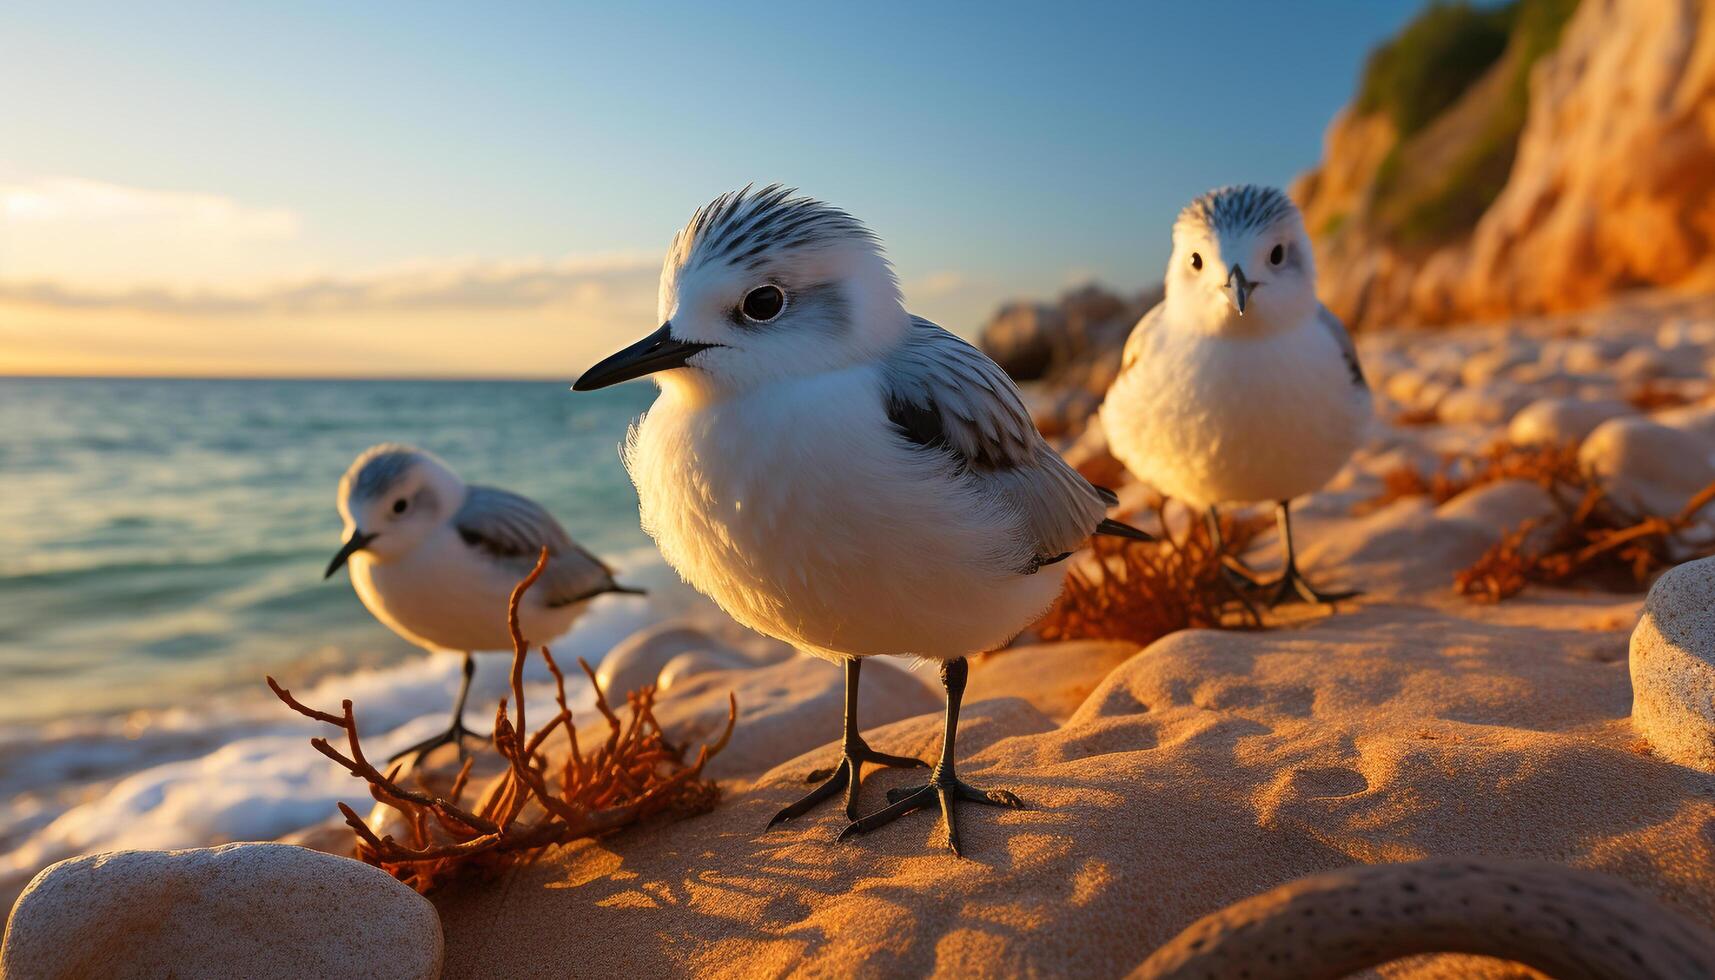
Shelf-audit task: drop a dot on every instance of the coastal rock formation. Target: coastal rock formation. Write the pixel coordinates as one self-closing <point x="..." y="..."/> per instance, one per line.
<point x="1580" y="164"/>
<point x="1072" y="345"/>
<point x="256" y="910"/>
<point x="1673" y="666"/>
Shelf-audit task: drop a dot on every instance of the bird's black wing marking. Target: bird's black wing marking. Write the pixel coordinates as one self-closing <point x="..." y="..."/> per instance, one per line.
<point x="946" y="396"/>
<point x="1348" y="350"/>
<point x="921" y="423"/>
<point x="514" y="529"/>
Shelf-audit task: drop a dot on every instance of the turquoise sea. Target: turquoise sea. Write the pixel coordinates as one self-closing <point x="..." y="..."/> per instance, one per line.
<point x="161" y="550"/>
<point x="164" y="539"/>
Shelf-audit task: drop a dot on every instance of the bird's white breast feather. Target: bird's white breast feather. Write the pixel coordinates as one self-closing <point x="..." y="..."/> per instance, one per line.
<point x="803" y="512"/>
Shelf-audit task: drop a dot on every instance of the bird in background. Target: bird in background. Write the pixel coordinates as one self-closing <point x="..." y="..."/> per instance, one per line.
<point x="436" y="560"/>
<point x="1240" y="386"/>
<point x="839" y="474"/>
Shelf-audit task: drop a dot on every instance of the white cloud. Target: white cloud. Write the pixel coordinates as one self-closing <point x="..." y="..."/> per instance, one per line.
<point x="76" y="230"/>
<point x="76" y="201"/>
<point x="621" y="282"/>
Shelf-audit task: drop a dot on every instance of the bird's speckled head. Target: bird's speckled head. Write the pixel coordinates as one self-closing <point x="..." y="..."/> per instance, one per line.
<point x="394" y="495"/>
<point x="1242" y="262"/>
<point x="760" y="286"/>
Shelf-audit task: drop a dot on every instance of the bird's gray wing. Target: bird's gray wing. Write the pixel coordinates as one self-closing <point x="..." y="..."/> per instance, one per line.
<point x="1348" y="350"/>
<point x="514" y="529"/>
<point x="946" y="395"/>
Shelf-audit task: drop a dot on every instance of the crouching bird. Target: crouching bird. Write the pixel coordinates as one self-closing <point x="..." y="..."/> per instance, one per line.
<point x="436" y="560"/>
<point x="840" y="474"/>
<point x="1239" y="385"/>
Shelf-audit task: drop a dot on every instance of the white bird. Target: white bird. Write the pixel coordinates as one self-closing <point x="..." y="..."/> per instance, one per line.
<point x="436" y="561"/>
<point x="838" y="473"/>
<point x="1240" y="386"/>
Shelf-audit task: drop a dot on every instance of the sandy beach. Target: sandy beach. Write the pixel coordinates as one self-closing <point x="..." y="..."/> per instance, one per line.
<point x="1194" y="773"/>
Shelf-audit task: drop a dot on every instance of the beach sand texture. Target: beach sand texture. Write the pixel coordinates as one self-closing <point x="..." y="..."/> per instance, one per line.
<point x="1166" y="783"/>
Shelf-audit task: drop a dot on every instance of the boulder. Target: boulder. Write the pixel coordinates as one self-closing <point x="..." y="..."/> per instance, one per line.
<point x="1673" y="666"/>
<point x="1488" y="404"/>
<point x="637" y="660"/>
<point x="1562" y="420"/>
<point x="253" y="910"/>
<point x="1645" y="465"/>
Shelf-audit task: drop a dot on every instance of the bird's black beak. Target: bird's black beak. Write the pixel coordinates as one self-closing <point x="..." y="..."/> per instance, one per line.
<point x="657" y="352"/>
<point x="1238" y="289"/>
<point x="357" y="542"/>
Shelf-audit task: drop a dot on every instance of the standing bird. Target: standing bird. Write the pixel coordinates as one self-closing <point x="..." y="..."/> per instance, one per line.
<point x="1239" y="385"/>
<point x="838" y="473"/>
<point x="436" y="561"/>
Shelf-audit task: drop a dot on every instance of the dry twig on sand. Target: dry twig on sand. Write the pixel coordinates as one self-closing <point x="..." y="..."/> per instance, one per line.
<point x="634" y="774"/>
<point x="1597" y="540"/>
<point x="1594" y="537"/>
<point x="1142" y="591"/>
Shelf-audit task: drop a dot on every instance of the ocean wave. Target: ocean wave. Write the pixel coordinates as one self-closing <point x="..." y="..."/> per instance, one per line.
<point x="239" y="768"/>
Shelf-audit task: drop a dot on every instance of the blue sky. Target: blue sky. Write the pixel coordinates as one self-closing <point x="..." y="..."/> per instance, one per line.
<point x="999" y="149"/>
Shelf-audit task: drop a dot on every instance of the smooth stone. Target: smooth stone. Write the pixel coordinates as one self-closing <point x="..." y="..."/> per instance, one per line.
<point x="1642" y="364"/>
<point x="253" y="910"/>
<point x="1499" y="507"/>
<point x="1685" y="332"/>
<point x="1562" y="420"/>
<point x="1698" y="421"/>
<point x="1673" y="666"/>
<point x="694" y="662"/>
<point x="1490" y="404"/>
<point x="637" y="660"/>
<point x="1646" y="465"/>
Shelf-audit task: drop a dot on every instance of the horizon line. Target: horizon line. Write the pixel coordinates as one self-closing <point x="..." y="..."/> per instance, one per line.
<point x="439" y="378"/>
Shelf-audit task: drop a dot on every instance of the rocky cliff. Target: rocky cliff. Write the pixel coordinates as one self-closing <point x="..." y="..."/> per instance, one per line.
<point x="1533" y="158"/>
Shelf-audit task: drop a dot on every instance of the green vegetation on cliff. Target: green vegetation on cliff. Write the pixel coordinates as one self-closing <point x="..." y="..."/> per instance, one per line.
<point x="1452" y="159"/>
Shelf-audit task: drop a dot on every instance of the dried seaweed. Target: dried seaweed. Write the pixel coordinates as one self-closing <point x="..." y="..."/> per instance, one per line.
<point x="633" y="775"/>
<point x="1551" y="466"/>
<point x="1142" y="591"/>
<point x="1653" y="396"/>
<point x="1597" y="540"/>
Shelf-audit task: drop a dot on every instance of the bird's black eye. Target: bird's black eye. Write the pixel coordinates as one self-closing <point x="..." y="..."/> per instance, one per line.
<point x="763" y="303"/>
<point x="1278" y="255"/>
<point x="399" y="506"/>
<point x="1197" y="261"/>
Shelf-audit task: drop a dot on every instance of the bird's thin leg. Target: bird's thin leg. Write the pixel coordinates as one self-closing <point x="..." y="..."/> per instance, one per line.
<point x="1292" y="586"/>
<point x="1233" y="569"/>
<point x="944" y="785"/>
<point x="456" y="733"/>
<point x="854" y="752"/>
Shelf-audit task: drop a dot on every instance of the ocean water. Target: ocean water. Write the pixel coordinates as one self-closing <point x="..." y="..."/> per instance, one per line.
<point x="161" y="550"/>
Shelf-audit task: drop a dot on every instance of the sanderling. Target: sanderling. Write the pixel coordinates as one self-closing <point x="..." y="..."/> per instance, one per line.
<point x="838" y="473"/>
<point x="436" y="561"/>
<point x="1239" y="385"/>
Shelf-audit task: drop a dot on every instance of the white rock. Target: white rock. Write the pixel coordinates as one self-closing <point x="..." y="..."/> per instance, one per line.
<point x="1647" y="465"/>
<point x="251" y="910"/>
<point x="1499" y="507"/>
<point x="1685" y="332"/>
<point x="637" y="660"/>
<point x="1486" y="365"/>
<point x="1643" y="364"/>
<point x="687" y="665"/>
<point x="1697" y="421"/>
<point x="1562" y="420"/>
<point x="1490" y="404"/>
<point x="1404" y="385"/>
<point x="1673" y="666"/>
